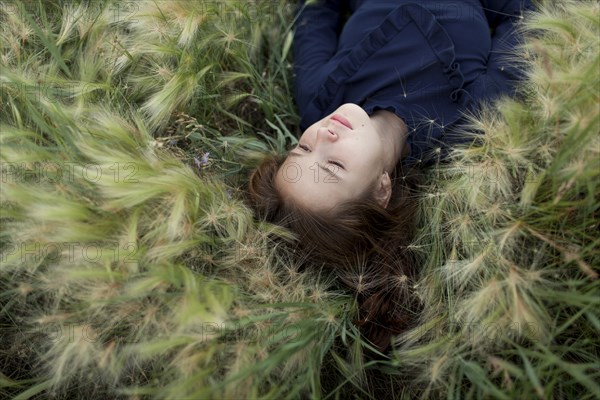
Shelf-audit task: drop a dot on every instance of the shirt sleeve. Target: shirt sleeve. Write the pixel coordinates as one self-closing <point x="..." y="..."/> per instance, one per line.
<point x="315" y="42"/>
<point x="503" y="71"/>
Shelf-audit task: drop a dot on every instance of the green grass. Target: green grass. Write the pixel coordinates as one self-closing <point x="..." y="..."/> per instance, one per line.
<point x="132" y="268"/>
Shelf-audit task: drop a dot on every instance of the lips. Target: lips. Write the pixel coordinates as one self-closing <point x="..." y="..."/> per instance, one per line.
<point x="342" y="120"/>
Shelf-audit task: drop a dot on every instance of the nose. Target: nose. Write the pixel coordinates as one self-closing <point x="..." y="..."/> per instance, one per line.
<point x="326" y="134"/>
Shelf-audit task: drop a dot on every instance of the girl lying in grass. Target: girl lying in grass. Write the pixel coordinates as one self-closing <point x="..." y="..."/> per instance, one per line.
<point x="379" y="96"/>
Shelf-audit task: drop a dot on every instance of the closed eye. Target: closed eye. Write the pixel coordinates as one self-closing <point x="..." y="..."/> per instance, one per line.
<point x="337" y="164"/>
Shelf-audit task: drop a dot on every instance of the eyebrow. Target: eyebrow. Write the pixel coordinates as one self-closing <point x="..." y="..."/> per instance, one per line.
<point x="331" y="174"/>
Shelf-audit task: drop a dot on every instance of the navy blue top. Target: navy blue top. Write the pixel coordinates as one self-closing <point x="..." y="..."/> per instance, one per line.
<point x="427" y="62"/>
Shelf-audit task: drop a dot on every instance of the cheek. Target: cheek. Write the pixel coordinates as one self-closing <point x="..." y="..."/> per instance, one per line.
<point x="310" y="131"/>
<point x="366" y="157"/>
<point x="367" y="145"/>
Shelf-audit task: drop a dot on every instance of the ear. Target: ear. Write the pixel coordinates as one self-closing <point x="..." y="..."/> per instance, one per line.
<point x="383" y="191"/>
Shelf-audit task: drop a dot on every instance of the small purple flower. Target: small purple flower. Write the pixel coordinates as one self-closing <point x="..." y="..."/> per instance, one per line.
<point x="205" y="158"/>
<point x="202" y="163"/>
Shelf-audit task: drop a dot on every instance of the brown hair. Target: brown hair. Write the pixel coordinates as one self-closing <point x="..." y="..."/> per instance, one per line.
<point x="368" y="245"/>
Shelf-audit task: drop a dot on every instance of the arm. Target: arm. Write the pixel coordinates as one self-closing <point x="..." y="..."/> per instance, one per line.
<point x="315" y="43"/>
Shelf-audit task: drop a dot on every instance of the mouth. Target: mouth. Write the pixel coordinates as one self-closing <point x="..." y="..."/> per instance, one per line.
<point x="341" y="120"/>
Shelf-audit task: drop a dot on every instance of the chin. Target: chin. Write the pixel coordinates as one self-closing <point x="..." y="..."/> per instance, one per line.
<point x="353" y="111"/>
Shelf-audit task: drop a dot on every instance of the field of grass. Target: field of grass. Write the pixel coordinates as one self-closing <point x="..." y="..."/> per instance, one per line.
<point x="131" y="267"/>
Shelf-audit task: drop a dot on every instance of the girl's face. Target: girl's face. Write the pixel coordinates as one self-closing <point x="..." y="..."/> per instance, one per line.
<point x="337" y="159"/>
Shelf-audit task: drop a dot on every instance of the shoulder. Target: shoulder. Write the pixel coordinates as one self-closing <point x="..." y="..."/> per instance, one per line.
<point x="407" y="52"/>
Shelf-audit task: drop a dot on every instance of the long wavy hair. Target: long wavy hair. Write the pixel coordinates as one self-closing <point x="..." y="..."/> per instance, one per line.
<point x="368" y="246"/>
